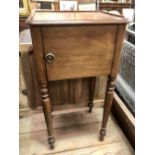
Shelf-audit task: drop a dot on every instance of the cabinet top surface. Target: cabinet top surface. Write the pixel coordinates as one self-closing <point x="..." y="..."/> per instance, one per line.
<point x="39" y="17"/>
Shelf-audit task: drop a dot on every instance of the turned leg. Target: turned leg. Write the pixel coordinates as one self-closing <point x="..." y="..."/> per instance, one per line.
<point x="107" y="106"/>
<point x="91" y="93"/>
<point x="46" y="102"/>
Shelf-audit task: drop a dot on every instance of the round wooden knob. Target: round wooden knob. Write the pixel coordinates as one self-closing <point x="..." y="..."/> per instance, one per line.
<point x="49" y="57"/>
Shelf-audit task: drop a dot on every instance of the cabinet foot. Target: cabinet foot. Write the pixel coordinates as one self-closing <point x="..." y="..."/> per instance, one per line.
<point x="51" y="141"/>
<point x="102" y="134"/>
<point x="91" y="107"/>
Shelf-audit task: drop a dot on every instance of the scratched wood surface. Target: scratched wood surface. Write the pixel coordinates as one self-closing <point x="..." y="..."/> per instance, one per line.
<point x="76" y="134"/>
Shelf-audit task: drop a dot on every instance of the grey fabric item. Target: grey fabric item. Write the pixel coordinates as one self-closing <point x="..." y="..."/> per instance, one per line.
<point x="127" y="66"/>
<point x="125" y="83"/>
<point x="131" y="33"/>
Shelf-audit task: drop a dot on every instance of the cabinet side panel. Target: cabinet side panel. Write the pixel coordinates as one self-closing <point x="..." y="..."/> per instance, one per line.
<point x="118" y="47"/>
<point x="38" y="53"/>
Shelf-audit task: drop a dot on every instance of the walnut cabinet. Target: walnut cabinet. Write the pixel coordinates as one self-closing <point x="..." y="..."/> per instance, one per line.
<point x="69" y="45"/>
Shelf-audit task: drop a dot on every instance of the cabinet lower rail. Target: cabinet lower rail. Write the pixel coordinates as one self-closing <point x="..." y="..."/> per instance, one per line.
<point x="65" y="111"/>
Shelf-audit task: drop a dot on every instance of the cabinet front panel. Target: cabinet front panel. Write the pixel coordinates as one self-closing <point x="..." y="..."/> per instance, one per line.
<point x="80" y="51"/>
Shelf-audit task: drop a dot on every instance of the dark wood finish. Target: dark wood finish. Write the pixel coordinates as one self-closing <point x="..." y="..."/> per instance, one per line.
<point x="133" y="4"/>
<point x="113" y="6"/>
<point x="91" y="93"/>
<point x="46" y="102"/>
<point x="45" y="5"/>
<point x="87" y="45"/>
<point x="41" y="68"/>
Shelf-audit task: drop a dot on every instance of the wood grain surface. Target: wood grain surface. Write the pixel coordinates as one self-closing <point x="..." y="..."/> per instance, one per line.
<point x="85" y="46"/>
<point x="49" y="17"/>
<point x="79" y="51"/>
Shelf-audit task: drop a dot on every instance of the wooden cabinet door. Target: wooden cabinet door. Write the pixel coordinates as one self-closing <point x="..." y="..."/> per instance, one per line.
<point x="80" y="51"/>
